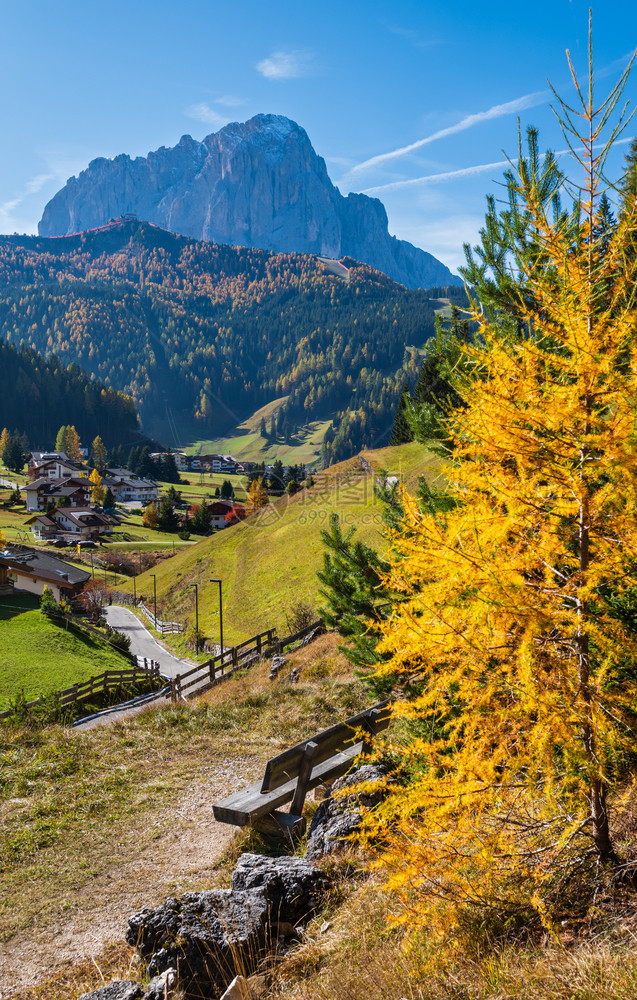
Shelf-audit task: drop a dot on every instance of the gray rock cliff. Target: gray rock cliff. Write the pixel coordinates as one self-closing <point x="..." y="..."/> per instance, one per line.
<point x="258" y="184"/>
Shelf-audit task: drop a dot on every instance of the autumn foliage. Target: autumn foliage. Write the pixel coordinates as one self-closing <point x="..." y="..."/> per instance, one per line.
<point x="513" y="629"/>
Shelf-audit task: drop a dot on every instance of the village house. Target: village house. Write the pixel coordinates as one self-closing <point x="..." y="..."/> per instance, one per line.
<point x="219" y="511"/>
<point x="37" y="458"/>
<point x="72" y="523"/>
<point x="216" y="463"/>
<point x="31" y="570"/>
<point x="59" y="468"/>
<point x="127" y="487"/>
<point x="181" y="459"/>
<point x="74" y="491"/>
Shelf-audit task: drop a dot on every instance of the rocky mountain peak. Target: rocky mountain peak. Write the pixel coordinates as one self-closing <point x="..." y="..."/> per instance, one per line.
<point x="257" y="183"/>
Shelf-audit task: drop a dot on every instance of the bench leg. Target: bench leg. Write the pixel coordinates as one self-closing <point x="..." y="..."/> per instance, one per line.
<point x="303" y="780"/>
<point x="277" y="823"/>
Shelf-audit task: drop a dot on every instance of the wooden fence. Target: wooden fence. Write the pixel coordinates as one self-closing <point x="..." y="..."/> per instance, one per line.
<point x="166" y="628"/>
<point x="220" y="667"/>
<point x="205" y="675"/>
<point x="96" y="685"/>
<point x="289" y="639"/>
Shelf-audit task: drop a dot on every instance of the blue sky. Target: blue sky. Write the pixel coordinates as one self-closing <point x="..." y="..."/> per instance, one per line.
<point x="368" y="80"/>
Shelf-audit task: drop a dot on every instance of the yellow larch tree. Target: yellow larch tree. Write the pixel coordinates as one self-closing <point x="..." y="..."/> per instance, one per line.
<point x="257" y="496"/>
<point x="511" y="624"/>
<point x="98" y="453"/>
<point x="97" y="487"/>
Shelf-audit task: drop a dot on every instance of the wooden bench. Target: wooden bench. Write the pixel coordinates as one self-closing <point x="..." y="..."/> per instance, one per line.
<point x="296" y="771"/>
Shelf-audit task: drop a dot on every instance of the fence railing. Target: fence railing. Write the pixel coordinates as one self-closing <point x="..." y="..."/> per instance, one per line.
<point x="301" y="634"/>
<point x="100" y="684"/>
<point x="223" y="665"/>
<point x="166" y="628"/>
<point x="220" y="667"/>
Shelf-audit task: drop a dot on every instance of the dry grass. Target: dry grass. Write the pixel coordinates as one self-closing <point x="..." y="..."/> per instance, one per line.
<point x="104" y="791"/>
<point x="117" y="961"/>
<point x="94" y="825"/>
<point x="360" y="956"/>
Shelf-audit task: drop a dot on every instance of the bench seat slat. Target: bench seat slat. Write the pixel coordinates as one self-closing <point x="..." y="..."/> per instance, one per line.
<point x="251" y="803"/>
<point x="280" y="770"/>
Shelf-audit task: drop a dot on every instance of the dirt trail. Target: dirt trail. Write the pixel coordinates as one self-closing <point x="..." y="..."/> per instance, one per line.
<point x="180" y="859"/>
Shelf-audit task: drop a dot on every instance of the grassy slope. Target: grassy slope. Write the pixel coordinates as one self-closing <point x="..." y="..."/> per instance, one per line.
<point x="82" y="812"/>
<point x="39" y="656"/>
<point x="270" y="562"/>
<point x="246" y="443"/>
<point x="86" y="819"/>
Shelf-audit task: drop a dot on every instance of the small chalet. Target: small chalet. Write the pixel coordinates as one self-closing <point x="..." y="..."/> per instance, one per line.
<point x="74" y="491"/>
<point x="219" y="511"/>
<point x="60" y="468"/>
<point x="73" y="523"/>
<point x="23" y="568"/>
<point x="216" y="463"/>
<point x="37" y="458"/>
<point x="126" y="487"/>
<point x="224" y="513"/>
<point x="181" y="459"/>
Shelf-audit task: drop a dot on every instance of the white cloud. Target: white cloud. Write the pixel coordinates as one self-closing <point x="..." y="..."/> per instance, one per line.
<point x="497" y="111"/>
<point x="478" y="168"/>
<point x="7" y="208"/>
<point x="410" y="35"/>
<point x="12" y="222"/>
<point x="204" y="113"/>
<point x="230" y="101"/>
<point x="447" y="175"/>
<point x="37" y="183"/>
<point x="285" y="65"/>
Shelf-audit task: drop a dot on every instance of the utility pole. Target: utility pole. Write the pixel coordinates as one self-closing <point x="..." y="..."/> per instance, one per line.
<point x="220" y="616"/>
<point x="196" y="586"/>
<point x="155" y="596"/>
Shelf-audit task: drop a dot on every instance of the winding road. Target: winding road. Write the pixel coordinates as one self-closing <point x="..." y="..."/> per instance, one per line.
<point x="142" y="642"/>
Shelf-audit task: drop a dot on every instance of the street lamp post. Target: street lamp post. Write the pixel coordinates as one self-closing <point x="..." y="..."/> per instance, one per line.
<point x="155" y="596"/>
<point x="196" y="586"/>
<point x="220" y="617"/>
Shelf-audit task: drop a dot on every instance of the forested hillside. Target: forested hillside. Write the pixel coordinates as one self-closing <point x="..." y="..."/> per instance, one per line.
<point x="38" y="395"/>
<point x="204" y="334"/>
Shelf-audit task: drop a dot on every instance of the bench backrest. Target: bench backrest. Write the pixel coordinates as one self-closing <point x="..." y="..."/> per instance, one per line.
<point x="286" y="766"/>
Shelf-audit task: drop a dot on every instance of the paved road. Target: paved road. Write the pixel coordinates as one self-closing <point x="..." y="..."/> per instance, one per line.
<point x="142" y="642"/>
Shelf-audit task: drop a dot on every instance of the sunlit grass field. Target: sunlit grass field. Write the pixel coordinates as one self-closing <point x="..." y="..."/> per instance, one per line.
<point x="246" y="443"/>
<point x="39" y="656"/>
<point x="268" y="563"/>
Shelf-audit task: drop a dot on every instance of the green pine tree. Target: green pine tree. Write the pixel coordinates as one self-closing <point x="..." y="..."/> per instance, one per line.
<point x="401" y="431"/>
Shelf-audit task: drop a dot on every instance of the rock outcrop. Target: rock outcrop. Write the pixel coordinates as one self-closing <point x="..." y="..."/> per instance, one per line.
<point x="339" y="815"/>
<point x="257" y="184"/>
<point x="209" y="937"/>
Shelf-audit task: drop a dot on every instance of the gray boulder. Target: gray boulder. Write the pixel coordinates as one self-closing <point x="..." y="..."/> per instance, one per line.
<point x="206" y="936"/>
<point x="159" y="988"/>
<point x="210" y="937"/>
<point x="292" y="886"/>
<point x="120" y="990"/>
<point x="337" y="818"/>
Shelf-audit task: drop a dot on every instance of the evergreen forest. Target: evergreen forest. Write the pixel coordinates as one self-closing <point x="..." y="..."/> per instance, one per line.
<point x="38" y="394"/>
<point x="202" y="335"/>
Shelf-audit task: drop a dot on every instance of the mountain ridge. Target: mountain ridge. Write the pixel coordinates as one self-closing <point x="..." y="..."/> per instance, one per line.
<point x="212" y="333"/>
<point x="257" y="184"/>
